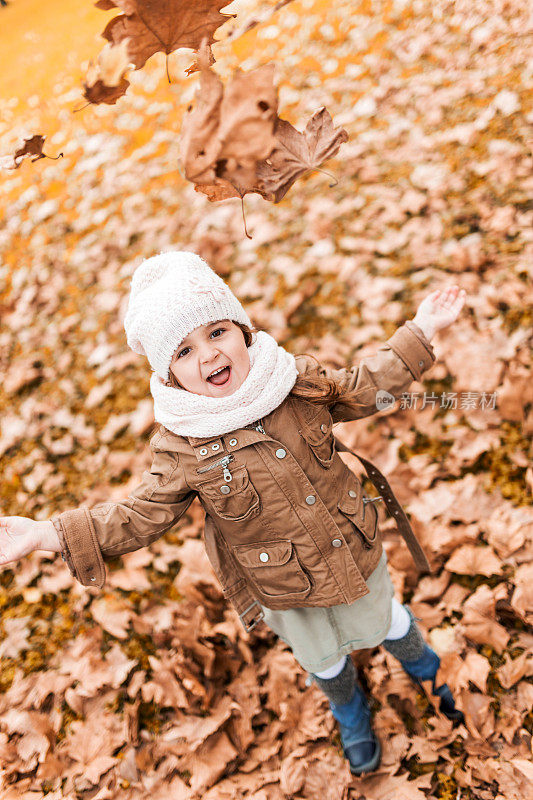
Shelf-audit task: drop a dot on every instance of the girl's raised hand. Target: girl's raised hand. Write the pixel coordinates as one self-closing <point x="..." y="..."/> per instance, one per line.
<point x="18" y="537"/>
<point x="439" y="309"/>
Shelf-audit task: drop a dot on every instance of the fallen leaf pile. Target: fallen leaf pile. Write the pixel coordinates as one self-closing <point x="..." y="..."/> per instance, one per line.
<point x="151" y="687"/>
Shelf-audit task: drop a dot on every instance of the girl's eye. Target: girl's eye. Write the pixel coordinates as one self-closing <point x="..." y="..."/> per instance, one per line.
<point x="217" y="330"/>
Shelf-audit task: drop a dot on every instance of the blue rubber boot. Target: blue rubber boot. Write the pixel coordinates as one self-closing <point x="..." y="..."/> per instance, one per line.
<point x="359" y="742"/>
<point x="424" y="667"/>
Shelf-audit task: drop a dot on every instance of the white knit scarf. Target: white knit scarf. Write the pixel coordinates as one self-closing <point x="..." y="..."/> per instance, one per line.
<point x="271" y="377"/>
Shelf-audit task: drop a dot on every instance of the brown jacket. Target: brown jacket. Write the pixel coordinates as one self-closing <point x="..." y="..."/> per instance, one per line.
<point x="287" y="522"/>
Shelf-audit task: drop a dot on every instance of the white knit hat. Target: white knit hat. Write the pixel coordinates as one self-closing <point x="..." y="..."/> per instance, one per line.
<point x="172" y="294"/>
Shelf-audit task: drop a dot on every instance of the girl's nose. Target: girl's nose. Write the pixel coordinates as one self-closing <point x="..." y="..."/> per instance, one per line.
<point x="208" y="353"/>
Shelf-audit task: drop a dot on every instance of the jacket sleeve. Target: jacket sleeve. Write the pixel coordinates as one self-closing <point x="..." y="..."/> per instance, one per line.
<point x="90" y="535"/>
<point x="402" y="359"/>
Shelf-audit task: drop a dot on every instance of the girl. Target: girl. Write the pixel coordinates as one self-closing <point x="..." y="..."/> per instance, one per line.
<point x="289" y="531"/>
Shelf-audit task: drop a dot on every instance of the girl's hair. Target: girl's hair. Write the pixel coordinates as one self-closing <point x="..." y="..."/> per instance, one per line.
<point x="313" y="387"/>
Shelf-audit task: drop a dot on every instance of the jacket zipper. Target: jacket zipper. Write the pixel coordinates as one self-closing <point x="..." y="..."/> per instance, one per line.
<point x="221" y="462"/>
<point x="260" y="428"/>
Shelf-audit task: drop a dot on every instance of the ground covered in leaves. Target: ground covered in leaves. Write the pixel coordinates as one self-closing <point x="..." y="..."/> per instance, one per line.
<point x="151" y="686"/>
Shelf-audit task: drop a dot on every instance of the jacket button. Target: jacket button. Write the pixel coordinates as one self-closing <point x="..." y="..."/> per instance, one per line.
<point x="233" y="442"/>
<point x="203" y="451"/>
<point x="310" y="499"/>
<point x="225" y="489"/>
<point x="336" y="543"/>
<point x="215" y="446"/>
<point x="420" y="363"/>
<point x="263" y="556"/>
<point x="281" y="453"/>
<point x="352" y="493"/>
<point x="92" y="578"/>
<point x="323" y="427"/>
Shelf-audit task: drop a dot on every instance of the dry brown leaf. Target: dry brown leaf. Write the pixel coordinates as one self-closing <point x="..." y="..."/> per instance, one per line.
<point x="90" y="743"/>
<point x="295" y="153"/>
<point x="233" y="143"/>
<point x="199" y="146"/>
<point x="164" y="688"/>
<point x="35" y="733"/>
<point x="479" y="620"/>
<point x="105" y="81"/>
<point x="229" y="130"/>
<point x="154" y="27"/>
<point x="522" y="599"/>
<point x="479" y="717"/>
<point x="113" y="614"/>
<point x="473" y="560"/>
<point x="16" y="634"/>
<point x="392" y="787"/>
<point x="292" y="771"/>
<point x="210" y="761"/>
<point x="32" y="146"/>
<point x="515" y="669"/>
<point x="195" y="730"/>
<point x="509" y="528"/>
<point x="247" y="114"/>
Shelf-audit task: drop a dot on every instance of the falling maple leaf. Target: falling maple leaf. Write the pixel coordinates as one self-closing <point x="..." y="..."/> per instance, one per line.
<point x="233" y="143"/>
<point x="153" y="26"/>
<point x="230" y="129"/>
<point x="99" y="92"/>
<point x="295" y="153"/>
<point x="105" y="81"/>
<point x="33" y="146"/>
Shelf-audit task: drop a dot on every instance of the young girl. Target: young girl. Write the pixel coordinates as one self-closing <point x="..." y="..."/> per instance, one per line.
<point x="289" y="531"/>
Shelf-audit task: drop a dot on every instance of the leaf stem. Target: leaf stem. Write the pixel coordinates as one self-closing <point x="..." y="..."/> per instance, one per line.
<point x="244" y="218"/>
<point x="329" y="176"/>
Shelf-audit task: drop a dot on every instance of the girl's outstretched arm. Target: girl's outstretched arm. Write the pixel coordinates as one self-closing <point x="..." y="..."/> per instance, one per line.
<point x="87" y="536"/>
<point x="376" y="381"/>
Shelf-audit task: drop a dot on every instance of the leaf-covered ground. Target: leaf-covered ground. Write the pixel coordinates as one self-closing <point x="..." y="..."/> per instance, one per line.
<point x="151" y="687"/>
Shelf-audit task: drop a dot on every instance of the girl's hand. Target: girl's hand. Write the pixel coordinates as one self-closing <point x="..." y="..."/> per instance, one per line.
<point x="439" y="309"/>
<point x="20" y="536"/>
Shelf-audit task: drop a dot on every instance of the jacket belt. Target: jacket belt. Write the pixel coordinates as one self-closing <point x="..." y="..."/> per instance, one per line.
<point x="247" y="607"/>
<point x="393" y="507"/>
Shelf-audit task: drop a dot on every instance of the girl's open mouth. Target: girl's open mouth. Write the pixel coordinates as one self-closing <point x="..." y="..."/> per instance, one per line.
<point x="221" y="378"/>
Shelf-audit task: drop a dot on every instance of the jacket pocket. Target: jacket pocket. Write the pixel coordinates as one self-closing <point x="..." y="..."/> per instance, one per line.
<point x="319" y="437"/>
<point x="234" y="500"/>
<point x="363" y="515"/>
<point x="274" y="569"/>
